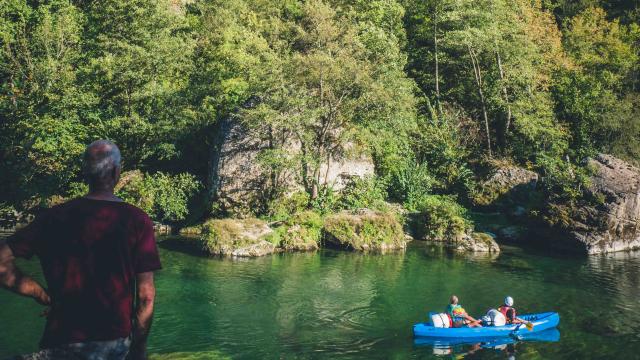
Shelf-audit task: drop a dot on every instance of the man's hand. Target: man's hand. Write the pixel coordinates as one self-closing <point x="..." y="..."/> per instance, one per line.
<point x="12" y="278"/>
<point x="145" y="294"/>
<point x="43" y="298"/>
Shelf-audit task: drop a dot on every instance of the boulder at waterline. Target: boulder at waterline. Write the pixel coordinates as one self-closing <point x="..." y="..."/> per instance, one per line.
<point x="237" y="237"/>
<point x="191" y="230"/>
<point x="301" y="232"/>
<point x="475" y="242"/>
<point x="300" y="238"/>
<point x="611" y="222"/>
<point x="365" y="230"/>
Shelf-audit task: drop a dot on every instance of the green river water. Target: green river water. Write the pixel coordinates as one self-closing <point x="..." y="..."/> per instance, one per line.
<point x="335" y="304"/>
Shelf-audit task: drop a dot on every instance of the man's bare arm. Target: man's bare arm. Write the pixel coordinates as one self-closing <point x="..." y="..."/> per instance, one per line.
<point x="145" y="293"/>
<point x="13" y="279"/>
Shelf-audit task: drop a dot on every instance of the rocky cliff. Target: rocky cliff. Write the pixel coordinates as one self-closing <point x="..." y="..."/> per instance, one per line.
<point x="606" y="220"/>
<point x="239" y="180"/>
<point x="612" y="222"/>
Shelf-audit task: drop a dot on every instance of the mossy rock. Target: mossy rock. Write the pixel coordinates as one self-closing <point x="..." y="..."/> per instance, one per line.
<point x="476" y="242"/>
<point x="304" y="232"/>
<point x="236" y="237"/>
<point x="365" y="230"/>
<point x="507" y="185"/>
<point x="483" y="238"/>
<point x="301" y="232"/>
<point x="191" y="230"/>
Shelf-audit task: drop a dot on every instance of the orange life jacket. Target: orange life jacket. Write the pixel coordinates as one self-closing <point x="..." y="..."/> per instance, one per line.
<point x="508" y="312"/>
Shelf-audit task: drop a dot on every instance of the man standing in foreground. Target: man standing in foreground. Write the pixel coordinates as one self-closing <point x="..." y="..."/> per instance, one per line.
<point x="98" y="255"/>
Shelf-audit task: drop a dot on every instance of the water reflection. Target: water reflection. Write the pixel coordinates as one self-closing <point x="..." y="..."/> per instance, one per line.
<point x="469" y="346"/>
<point x="335" y="304"/>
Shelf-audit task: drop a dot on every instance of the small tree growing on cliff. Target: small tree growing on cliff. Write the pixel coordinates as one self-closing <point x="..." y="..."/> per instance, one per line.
<point x="340" y="84"/>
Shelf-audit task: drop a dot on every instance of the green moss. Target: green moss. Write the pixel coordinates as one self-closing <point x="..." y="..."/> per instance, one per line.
<point x="482" y="237"/>
<point x="559" y="215"/>
<point x="191" y="230"/>
<point x="302" y="231"/>
<point x="307" y="218"/>
<point x="369" y="192"/>
<point x="441" y="218"/>
<point x="487" y="195"/>
<point x="365" y="231"/>
<point x="219" y="235"/>
<point x="281" y="208"/>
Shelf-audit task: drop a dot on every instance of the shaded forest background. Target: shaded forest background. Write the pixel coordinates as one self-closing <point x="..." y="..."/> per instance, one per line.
<point x="435" y="90"/>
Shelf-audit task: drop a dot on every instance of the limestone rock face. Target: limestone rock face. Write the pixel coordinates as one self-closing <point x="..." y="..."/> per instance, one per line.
<point x="614" y="224"/>
<point x="476" y="242"/>
<point x="236" y="237"/>
<point x="507" y="187"/>
<point x="511" y="176"/>
<point x="259" y="249"/>
<point x="161" y="229"/>
<point x="239" y="180"/>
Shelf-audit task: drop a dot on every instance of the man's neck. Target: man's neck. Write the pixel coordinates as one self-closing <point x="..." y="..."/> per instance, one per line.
<point x="102" y="194"/>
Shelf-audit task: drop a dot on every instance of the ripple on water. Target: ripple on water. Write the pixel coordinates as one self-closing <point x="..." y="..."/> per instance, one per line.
<point x="360" y="318"/>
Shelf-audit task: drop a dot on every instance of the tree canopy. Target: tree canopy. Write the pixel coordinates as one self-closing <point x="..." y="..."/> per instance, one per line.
<point x="431" y="89"/>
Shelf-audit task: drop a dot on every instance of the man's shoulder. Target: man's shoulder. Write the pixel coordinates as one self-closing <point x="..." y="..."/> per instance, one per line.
<point x="140" y="217"/>
<point x="130" y="209"/>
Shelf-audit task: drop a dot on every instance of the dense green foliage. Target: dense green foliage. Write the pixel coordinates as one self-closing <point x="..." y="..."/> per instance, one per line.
<point x="163" y="197"/>
<point x="301" y="231"/>
<point x="441" y="218"/>
<point x="431" y="89"/>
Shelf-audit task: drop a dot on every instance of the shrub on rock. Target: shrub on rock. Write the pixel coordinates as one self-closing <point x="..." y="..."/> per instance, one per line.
<point x="441" y="218"/>
<point x="301" y="231"/>
<point x="365" y="230"/>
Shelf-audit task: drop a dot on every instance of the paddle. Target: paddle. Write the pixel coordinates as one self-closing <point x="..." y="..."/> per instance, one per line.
<point x="528" y="325"/>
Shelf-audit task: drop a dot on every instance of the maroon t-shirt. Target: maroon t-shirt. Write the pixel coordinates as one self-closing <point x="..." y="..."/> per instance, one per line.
<point x="90" y="251"/>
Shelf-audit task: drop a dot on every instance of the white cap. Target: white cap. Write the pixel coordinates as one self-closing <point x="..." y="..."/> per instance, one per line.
<point x="508" y="301"/>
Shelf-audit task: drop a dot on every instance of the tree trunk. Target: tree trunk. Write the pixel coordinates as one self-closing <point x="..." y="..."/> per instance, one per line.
<point x="435" y="51"/>
<point x="314" y="190"/>
<point x="273" y="187"/>
<point x="506" y="98"/>
<point x="478" y="77"/>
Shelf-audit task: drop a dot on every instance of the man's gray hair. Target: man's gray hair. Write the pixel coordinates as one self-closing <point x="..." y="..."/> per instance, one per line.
<point x="100" y="159"/>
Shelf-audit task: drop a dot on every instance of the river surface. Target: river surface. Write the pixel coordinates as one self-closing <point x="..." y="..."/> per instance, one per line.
<point x="334" y="304"/>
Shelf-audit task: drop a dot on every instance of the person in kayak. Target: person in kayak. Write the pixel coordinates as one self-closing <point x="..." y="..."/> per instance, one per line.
<point x="459" y="316"/>
<point x="509" y="311"/>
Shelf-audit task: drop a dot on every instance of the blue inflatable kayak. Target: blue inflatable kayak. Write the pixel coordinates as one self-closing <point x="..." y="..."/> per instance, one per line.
<point x="541" y="322"/>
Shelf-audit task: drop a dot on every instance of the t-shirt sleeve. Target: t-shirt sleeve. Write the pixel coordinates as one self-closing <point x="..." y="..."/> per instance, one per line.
<point x="145" y="256"/>
<point x="25" y="242"/>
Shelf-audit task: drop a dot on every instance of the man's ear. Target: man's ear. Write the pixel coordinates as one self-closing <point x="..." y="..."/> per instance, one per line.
<point x="116" y="175"/>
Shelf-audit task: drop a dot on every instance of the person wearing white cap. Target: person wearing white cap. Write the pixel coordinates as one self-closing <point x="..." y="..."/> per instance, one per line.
<point x="509" y="311"/>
